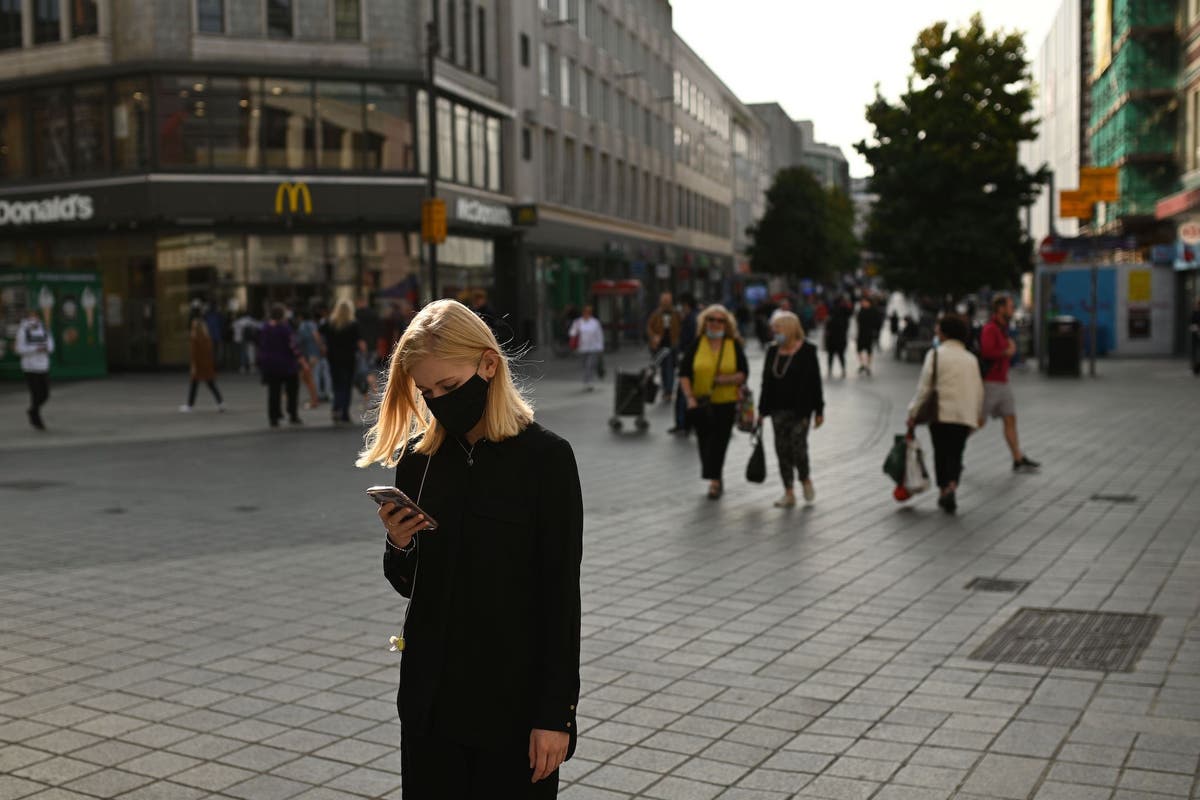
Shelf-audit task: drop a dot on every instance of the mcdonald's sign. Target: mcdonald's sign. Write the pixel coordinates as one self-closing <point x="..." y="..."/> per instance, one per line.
<point x="295" y="192"/>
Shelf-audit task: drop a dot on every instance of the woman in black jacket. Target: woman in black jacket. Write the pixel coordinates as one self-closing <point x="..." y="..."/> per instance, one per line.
<point x="791" y="395"/>
<point x="489" y="679"/>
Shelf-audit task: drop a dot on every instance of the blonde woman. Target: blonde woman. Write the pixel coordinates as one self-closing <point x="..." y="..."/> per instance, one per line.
<point x="489" y="677"/>
<point x="711" y="375"/>
<point x="791" y="396"/>
<point x="343" y="344"/>
<point x="203" y="365"/>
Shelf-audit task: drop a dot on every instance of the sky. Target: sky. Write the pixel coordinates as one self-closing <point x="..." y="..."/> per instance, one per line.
<point x="821" y="59"/>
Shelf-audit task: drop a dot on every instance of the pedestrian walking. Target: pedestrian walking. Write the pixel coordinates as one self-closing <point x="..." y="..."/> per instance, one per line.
<point x="687" y="337"/>
<point x="203" y="365"/>
<point x="344" y="348"/>
<point x="368" y="328"/>
<point x="489" y="681"/>
<point x="662" y="334"/>
<point x="308" y="338"/>
<point x="279" y="359"/>
<point x="711" y="376"/>
<point x="870" y="321"/>
<point x="588" y="334"/>
<point x="35" y="344"/>
<point x="837" y="332"/>
<point x="952" y="371"/>
<point x="996" y="350"/>
<point x="321" y="371"/>
<point x="791" y="396"/>
<point x="1195" y="335"/>
<point x="245" y="336"/>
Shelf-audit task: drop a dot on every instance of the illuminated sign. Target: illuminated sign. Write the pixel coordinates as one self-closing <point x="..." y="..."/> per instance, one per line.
<point x="60" y="208"/>
<point x="294" y="192"/>
<point x="482" y="213"/>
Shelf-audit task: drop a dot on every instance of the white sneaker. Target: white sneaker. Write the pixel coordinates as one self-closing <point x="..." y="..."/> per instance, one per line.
<point x="185" y="409"/>
<point x="810" y="493"/>
<point x="787" y="501"/>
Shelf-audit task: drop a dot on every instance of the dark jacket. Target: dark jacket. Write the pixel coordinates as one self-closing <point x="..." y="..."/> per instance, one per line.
<point x="837" y="328"/>
<point x="799" y="387"/>
<point x="341" y="350"/>
<point x="492" y="640"/>
<point x="277" y="353"/>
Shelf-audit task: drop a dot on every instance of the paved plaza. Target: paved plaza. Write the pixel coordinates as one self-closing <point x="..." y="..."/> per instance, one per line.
<point x="194" y="605"/>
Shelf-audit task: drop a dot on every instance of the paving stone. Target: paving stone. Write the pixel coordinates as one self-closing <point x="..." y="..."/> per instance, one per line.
<point x="1004" y="776"/>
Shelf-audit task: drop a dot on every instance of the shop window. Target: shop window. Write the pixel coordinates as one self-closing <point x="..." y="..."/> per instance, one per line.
<point x="340" y="125"/>
<point x="462" y="147"/>
<point x="51" y="133"/>
<point x="85" y="19"/>
<point x="210" y="16"/>
<point x="89" y="115"/>
<point x="10" y="24"/>
<point x="279" y="19"/>
<point x="493" y="154"/>
<point x="47" y="16"/>
<point x="347" y="20"/>
<point x="287" y="124"/>
<point x="389" y="134"/>
<point x="182" y="121"/>
<point x="445" y="137"/>
<point x="478" y="150"/>
<point x="14" y="151"/>
<point x="234" y="109"/>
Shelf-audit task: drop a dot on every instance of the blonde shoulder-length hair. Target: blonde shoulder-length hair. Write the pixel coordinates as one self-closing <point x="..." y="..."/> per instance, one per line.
<point x="448" y="330"/>
<point x="789" y="325"/>
<point x="720" y="311"/>
<point x="343" y="314"/>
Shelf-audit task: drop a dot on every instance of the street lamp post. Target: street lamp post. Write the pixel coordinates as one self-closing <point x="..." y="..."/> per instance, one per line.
<point x="433" y="45"/>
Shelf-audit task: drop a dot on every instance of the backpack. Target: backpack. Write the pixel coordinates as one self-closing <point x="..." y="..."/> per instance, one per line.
<point x="976" y="348"/>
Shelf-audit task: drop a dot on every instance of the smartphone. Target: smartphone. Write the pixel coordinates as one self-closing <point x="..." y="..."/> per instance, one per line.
<point x="390" y="494"/>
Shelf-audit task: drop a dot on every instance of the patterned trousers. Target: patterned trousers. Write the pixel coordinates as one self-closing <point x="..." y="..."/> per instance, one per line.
<point x="791" y="445"/>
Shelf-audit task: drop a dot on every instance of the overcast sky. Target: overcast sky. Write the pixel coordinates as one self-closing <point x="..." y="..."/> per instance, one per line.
<point x="821" y="59"/>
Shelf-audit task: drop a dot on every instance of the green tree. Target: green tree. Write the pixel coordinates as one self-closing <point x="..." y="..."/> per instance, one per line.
<point x="946" y="174"/>
<point x="805" y="231"/>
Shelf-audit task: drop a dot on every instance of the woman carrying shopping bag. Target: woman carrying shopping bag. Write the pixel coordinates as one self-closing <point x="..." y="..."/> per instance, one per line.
<point x="711" y="375"/>
<point x="791" y="396"/>
<point x="950" y="398"/>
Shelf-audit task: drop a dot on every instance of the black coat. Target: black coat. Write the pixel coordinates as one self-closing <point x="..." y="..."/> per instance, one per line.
<point x="798" y="389"/>
<point x="492" y="640"/>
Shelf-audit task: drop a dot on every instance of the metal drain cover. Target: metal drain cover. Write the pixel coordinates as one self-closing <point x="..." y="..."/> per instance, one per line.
<point x="996" y="585"/>
<point x="1054" y="637"/>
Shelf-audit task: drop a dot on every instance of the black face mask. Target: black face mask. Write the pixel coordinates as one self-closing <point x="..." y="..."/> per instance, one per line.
<point x="460" y="410"/>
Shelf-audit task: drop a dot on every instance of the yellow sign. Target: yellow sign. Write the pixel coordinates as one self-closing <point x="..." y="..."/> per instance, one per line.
<point x="1074" y="204"/>
<point x="1140" y="286"/>
<point x="1100" y="184"/>
<point x="294" y="192"/>
<point x="433" y="220"/>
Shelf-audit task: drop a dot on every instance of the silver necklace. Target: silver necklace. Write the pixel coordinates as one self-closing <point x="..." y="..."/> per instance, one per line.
<point x="470" y="453"/>
<point x="776" y="371"/>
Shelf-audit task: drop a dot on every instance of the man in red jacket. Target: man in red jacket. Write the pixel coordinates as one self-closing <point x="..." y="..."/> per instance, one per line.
<point x="995" y="353"/>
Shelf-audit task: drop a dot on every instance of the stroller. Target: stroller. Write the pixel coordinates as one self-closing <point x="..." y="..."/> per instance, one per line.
<point x="635" y="391"/>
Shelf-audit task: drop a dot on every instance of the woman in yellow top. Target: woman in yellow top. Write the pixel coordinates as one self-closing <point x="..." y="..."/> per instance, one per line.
<point x="711" y="376"/>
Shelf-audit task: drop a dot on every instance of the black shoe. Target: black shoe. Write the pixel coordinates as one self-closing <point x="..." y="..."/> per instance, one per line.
<point x="1026" y="464"/>
<point x="35" y="419"/>
<point x="676" y="429"/>
<point x="948" y="503"/>
<point x="295" y="421"/>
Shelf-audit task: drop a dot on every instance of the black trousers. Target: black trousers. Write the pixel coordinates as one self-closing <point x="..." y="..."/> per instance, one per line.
<point x="212" y="387"/>
<point x="39" y="389"/>
<point x="840" y="355"/>
<point x="949" y="441"/>
<point x="291" y="386"/>
<point x="714" y="426"/>
<point x="434" y="768"/>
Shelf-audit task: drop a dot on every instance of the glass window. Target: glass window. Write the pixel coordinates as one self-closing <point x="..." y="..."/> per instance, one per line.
<point x="604" y="184"/>
<point x="493" y="154"/>
<point x="10" y="24"/>
<point x="182" y="121"/>
<point x="51" y="133"/>
<point x="544" y="62"/>
<point x="235" y="121"/>
<point x="549" y="175"/>
<point x="462" y="145"/>
<point x="585" y="92"/>
<point x="287" y="124"/>
<point x="210" y="16"/>
<point x="46" y="18"/>
<point x="467" y="49"/>
<point x="339" y="129"/>
<point x="451" y="30"/>
<point x="568" y="171"/>
<point x="526" y="144"/>
<point x="131" y="123"/>
<point x="482" y="34"/>
<point x="478" y="150"/>
<point x="566" y="80"/>
<point x="89" y="115"/>
<point x="585" y="7"/>
<point x="279" y="19"/>
<point x="445" y="137"/>
<point x="85" y="20"/>
<point x="389" y="128"/>
<point x="347" y="20"/>
<point x="14" y="152"/>
<point x="589" y="177"/>
<point x="422" y="130"/>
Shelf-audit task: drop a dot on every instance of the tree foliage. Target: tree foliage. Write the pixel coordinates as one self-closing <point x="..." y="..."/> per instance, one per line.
<point x="946" y="174"/>
<point x="806" y="230"/>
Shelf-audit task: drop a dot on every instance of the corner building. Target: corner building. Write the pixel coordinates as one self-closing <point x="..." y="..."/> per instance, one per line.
<point x="246" y="151"/>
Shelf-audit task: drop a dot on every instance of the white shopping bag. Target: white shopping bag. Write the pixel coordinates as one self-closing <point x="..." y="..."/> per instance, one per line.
<point x="916" y="478"/>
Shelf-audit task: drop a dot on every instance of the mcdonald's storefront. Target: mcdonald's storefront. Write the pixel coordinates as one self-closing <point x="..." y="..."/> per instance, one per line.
<point x="166" y="243"/>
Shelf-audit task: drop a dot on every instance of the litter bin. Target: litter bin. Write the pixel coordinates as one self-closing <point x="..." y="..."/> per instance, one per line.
<point x="1064" y="347"/>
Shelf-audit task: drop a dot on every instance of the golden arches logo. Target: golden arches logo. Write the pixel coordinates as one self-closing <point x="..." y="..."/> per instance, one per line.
<point x="295" y="192"/>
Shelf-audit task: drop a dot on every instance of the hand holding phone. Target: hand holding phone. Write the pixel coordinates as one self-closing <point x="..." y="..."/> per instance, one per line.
<point x="400" y="515"/>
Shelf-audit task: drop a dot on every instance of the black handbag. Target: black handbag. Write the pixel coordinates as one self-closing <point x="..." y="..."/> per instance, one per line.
<point x="927" y="412"/>
<point x="756" y="467"/>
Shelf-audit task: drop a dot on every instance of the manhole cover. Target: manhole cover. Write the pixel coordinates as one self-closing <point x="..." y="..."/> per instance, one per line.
<point x="996" y="585"/>
<point x="1052" y="637"/>
<point x="30" y="485"/>
<point x="1115" y="498"/>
